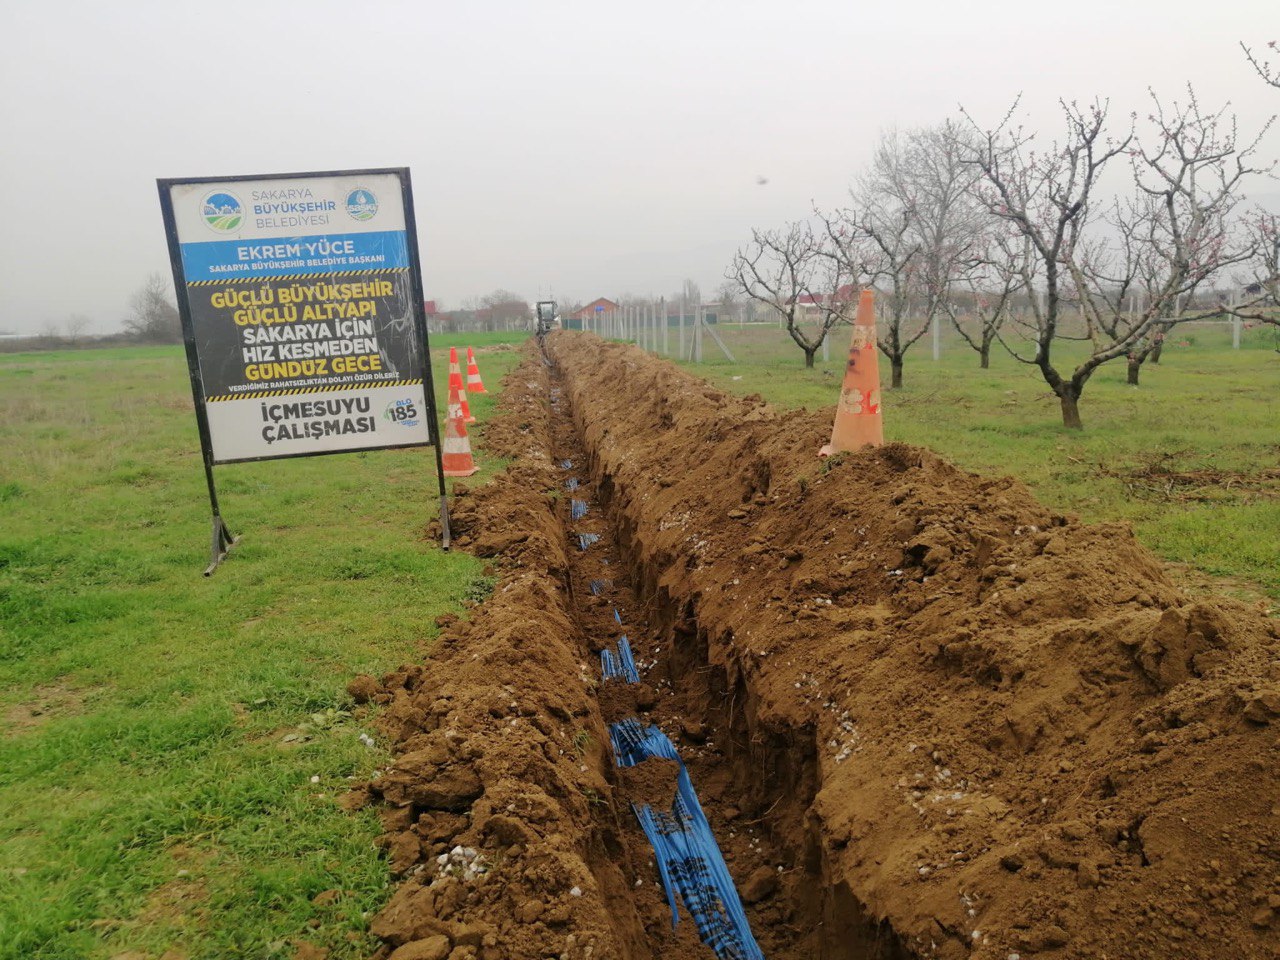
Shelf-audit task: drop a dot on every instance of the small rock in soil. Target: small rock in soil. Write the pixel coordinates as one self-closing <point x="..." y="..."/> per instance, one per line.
<point x="530" y="910"/>
<point x="646" y="697"/>
<point x="403" y="852"/>
<point x="761" y="885"/>
<point x="693" y="731"/>
<point x="362" y="688"/>
<point x="1263" y="708"/>
<point x="1087" y="874"/>
<point x="356" y="799"/>
<point x="1048" y="938"/>
<point x="432" y="948"/>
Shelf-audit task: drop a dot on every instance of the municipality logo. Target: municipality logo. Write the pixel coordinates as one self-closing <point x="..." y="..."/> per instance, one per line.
<point x="362" y="204"/>
<point x="222" y="211"/>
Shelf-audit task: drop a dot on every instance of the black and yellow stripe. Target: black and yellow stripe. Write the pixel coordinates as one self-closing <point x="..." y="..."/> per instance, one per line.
<point x="295" y="276"/>
<point x="296" y="391"/>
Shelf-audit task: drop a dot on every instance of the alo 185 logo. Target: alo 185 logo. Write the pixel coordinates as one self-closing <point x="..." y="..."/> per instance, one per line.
<point x="222" y="211"/>
<point x="362" y="204"/>
<point x="402" y="412"/>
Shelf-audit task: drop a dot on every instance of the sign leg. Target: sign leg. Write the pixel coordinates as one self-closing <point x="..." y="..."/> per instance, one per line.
<point x="445" y="535"/>
<point x="223" y="540"/>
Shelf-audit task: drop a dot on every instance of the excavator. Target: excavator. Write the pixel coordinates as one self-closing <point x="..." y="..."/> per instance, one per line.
<point x="546" y="317"/>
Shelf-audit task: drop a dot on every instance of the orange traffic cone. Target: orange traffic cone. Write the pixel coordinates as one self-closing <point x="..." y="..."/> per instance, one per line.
<point x="858" y="421"/>
<point x="474" y="383"/>
<point x="456" y="450"/>
<point x="455" y="380"/>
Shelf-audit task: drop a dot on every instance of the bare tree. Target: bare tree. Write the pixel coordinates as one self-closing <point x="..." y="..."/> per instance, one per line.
<point x="1267" y="72"/>
<point x="948" y="218"/>
<point x="984" y="290"/>
<point x="75" y="326"/>
<point x="836" y="283"/>
<point x="781" y="269"/>
<point x="1260" y="280"/>
<point x="879" y="229"/>
<point x="503" y="310"/>
<point x="49" y="337"/>
<point x="152" y="316"/>
<point x="730" y="301"/>
<point x="1171" y="237"/>
<point x="1176" y="236"/>
<point x="911" y="225"/>
<point x="1045" y="195"/>
<point x="690" y="292"/>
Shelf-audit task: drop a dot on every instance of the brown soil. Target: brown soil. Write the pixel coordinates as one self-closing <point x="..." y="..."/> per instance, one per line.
<point x="960" y="724"/>
<point x="46" y="703"/>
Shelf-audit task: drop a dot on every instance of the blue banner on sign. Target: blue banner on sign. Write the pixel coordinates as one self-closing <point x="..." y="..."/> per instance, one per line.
<point x="284" y="256"/>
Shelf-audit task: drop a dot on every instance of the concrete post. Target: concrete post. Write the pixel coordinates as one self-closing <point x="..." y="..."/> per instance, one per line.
<point x="1235" y="324"/>
<point x="681" y="355"/>
<point x="666" y="326"/>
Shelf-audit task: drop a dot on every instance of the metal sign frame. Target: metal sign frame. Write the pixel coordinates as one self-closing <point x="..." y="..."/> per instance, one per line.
<point x="222" y="538"/>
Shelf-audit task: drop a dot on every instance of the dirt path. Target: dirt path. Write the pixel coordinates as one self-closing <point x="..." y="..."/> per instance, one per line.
<point x="962" y="725"/>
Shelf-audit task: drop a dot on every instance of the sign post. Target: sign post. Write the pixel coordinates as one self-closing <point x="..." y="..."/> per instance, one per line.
<point x="303" y="317"/>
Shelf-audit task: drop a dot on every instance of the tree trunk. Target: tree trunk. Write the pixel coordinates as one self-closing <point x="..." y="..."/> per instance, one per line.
<point x="1135" y="367"/>
<point x="1070" y="409"/>
<point x="808" y="357"/>
<point x="895" y="365"/>
<point x="1155" y="351"/>
<point x="985" y="354"/>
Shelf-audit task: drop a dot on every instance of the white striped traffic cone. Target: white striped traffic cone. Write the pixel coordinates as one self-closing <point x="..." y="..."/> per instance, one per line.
<point x="474" y="383"/>
<point x="456" y="449"/>
<point x="455" y="380"/>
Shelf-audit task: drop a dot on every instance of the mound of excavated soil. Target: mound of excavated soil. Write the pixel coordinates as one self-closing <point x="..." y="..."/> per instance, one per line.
<point x="956" y="723"/>
<point x="496" y="797"/>
<point x="996" y="728"/>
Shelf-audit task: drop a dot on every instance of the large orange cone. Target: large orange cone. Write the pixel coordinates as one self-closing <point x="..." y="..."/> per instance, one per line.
<point x="858" y="421"/>
<point x="455" y="381"/>
<point x="474" y="383"/>
<point x="456" y="450"/>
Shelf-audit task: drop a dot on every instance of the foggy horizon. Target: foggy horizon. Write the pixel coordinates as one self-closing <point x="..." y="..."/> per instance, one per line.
<point x="567" y="149"/>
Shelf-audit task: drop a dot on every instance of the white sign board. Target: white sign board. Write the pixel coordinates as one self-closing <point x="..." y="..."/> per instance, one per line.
<point x="302" y="307"/>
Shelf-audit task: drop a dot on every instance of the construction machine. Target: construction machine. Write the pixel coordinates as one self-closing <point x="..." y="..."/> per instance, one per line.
<point x="546" y="317"/>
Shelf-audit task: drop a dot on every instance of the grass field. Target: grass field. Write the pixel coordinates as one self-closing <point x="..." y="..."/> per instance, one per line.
<point x="1185" y="456"/>
<point x="173" y="746"/>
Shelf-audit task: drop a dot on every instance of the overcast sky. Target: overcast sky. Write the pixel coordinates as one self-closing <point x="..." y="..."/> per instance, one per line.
<point x="581" y="148"/>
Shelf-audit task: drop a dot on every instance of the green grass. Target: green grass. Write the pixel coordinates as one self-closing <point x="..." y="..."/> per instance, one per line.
<point x="163" y="798"/>
<point x="1204" y="407"/>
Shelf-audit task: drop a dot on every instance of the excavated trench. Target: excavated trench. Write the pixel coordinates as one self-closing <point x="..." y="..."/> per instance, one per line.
<point x="924" y="716"/>
<point x="755" y="784"/>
